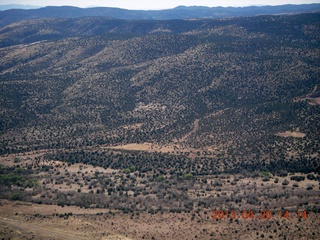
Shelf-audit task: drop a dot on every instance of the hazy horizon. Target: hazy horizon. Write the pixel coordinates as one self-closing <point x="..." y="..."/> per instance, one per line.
<point x="147" y="5"/>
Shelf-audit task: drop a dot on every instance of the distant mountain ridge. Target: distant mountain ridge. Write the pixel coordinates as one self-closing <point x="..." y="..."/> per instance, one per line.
<point x="17" y="6"/>
<point x="180" y="12"/>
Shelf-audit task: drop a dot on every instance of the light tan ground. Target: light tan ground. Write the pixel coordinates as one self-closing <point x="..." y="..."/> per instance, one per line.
<point x="149" y="147"/>
<point x="19" y="220"/>
<point x="291" y="134"/>
<point x="22" y="221"/>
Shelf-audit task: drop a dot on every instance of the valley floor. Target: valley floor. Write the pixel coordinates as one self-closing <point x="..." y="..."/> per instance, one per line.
<point x="20" y="220"/>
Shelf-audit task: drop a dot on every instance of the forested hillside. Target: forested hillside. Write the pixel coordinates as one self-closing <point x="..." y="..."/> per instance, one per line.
<point x="235" y="92"/>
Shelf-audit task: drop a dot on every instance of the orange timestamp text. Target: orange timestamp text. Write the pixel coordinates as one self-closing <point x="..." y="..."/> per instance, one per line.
<point x="264" y="214"/>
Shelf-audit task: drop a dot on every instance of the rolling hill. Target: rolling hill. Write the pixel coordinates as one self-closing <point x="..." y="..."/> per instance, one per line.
<point x="235" y="93"/>
<point x="160" y="129"/>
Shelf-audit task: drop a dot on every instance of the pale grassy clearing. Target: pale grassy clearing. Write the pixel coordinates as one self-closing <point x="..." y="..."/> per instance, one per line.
<point x="291" y="134"/>
<point x="149" y="147"/>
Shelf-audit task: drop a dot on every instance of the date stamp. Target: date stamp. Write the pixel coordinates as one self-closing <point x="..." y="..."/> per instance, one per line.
<point x="264" y="214"/>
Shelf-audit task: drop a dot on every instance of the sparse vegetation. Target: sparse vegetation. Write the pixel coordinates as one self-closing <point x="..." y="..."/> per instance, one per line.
<point x="213" y="114"/>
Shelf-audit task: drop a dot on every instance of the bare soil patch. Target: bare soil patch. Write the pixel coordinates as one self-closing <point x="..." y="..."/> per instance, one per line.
<point x="291" y="134"/>
<point x="149" y="147"/>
